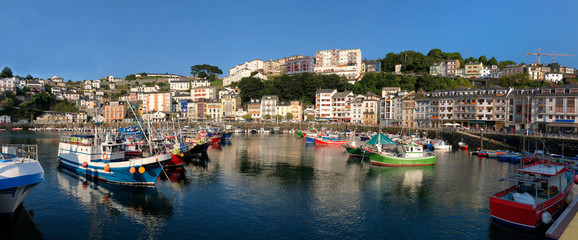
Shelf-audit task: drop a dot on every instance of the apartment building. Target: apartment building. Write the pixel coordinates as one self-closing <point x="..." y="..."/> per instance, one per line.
<point x="299" y="65"/>
<point x="254" y="109"/>
<point x="180" y="85"/>
<point x="209" y="92"/>
<point x="115" y="111"/>
<point x="269" y="106"/>
<point x="341" y="107"/>
<point x="422" y="110"/>
<point x="386" y="105"/>
<point x="341" y="62"/>
<point x="357" y="109"/>
<point x="323" y="102"/>
<point x="214" y="109"/>
<point x="157" y="102"/>
<point x="230" y="103"/>
<point x="473" y="69"/>
<point x="370" y="109"/>
<point x="240" y="71"/>
<point x="296" y="109"/>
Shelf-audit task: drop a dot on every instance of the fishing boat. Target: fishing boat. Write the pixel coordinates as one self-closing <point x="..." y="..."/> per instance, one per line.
<point x="20" y="172"/>
<point x="397" y="155"/>
<point x="441" y="145"/>
<point x="17" y="129"/>
<point x="531" y="195"/>
<point x="463" y="146"/>
<point x="354" y="150"/>
<point x="106" y="160"/>
<point x="328" y="141"/>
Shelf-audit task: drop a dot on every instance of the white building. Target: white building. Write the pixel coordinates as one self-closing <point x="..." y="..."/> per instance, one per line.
<point x="179" y="85"/>
<point x="341" y="62"/>
<point x="269" y="105"/>
<point x="113" y="79"/>
<point x="96" y="84"/>
<point x="5" y="119"/>
<point x="200" y="83"/>
<point x="323" y="102"/>
<point x="9" y="84"/>
<point x="240" y="71"/>
<point x="553" y="77"/>
<point x="341" y="106"/>
<point x="357" y="109"/>
<point x="386" y="110"/>
<point x="56" y="79"/>
<point x="204" y="93"/>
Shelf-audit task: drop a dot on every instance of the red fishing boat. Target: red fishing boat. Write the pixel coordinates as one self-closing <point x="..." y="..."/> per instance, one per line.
<point x="329" y="142"/>
<point x="463" y="146"/>
<point x="532" y="194"/>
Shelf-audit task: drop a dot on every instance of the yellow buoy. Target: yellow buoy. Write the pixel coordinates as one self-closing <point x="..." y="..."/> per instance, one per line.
<point x="132" y="170"/>
<point x="141" y="170"/>
<point x="182" y="155"/>
<point x="107" y="168"/>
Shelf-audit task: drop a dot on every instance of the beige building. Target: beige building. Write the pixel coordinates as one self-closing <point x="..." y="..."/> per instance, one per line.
<point x="341" y="62"/>
<point x="370" y="108"/>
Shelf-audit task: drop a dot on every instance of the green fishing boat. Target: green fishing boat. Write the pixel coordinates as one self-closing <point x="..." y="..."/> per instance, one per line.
<point x="405" y="155"/>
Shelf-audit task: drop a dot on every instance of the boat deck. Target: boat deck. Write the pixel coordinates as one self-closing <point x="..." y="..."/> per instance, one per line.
<point x="566" y="227"/>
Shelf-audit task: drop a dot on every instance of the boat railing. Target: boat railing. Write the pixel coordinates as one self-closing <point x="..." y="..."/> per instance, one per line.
<point x="77" y="140"/>
<point x="26" y="152"/>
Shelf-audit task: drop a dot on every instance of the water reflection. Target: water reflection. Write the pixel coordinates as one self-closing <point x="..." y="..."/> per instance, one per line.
<point x="20" y="226"/>
<point x="106" y="202"/>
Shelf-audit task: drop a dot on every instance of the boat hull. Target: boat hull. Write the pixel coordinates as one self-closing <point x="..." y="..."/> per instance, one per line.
<point x="394" y="161"/>
<point x="354" y="152"/>
<point x="329" y="142"/>
<point x="119" y="171"/>
<point x="524" y="216"/>
<point x="17" y="180"/>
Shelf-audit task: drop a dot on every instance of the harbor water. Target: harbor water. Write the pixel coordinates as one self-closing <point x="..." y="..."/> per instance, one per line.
<point x="267" y="187"/>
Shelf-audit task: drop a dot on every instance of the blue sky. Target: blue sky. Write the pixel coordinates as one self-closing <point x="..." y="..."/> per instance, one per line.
<point x="87" y="39"/>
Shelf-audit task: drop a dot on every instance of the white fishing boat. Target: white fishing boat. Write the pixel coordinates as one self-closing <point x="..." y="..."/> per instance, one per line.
<point x="20" y="172"/>
<point x="106" y="160"/>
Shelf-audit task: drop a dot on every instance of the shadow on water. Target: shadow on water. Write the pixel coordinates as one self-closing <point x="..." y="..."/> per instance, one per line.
<point x="500" y="231"/>
<point x="20" y="226"/>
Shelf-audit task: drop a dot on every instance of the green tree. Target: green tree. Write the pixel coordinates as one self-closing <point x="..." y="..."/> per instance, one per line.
<point x="310" y="117"/>
<point x="289" y="116"/>
<point x="130" y="77"/>
<point x="29" y="77"/>
<point x="8" y="103"/>
<point x="205" y="70"/>
<point x="492" y="61"/>
<point x="502" y="64"/>
<point x="6" y="73"/>
<point x="250" y="88"/>
<point x="278" y="117"/>
<point x="247" y="117"/>
<point x="483" y="60"/>
<point x="267" y="116"/>
<point x="207" y="116"/>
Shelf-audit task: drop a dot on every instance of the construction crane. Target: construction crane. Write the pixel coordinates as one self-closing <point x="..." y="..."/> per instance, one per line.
<point x="550" y="54"/>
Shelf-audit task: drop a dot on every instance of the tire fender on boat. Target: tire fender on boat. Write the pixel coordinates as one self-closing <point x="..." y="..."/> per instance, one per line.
<point x="546" y="217"/>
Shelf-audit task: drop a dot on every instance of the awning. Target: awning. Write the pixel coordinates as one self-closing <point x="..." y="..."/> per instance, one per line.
<point x="477" y="121"/>
<point x="572" y="125"/>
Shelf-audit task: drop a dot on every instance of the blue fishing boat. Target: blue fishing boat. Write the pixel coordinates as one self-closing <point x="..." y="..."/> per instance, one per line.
<point x="105" y="160"/>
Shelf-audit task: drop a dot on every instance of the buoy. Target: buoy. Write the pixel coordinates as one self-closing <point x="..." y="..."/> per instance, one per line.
<point x="141" y="170"/>
<point x="132" y="170"/>
<point x="104" y="156"/>
<point x="107" y="168"/>
<point x="157" y="159"/>
<point x="546" y="218"/>
<point x="181" y="155"/>
<point x="84" y="164"/>
<point x="575" y="178"/>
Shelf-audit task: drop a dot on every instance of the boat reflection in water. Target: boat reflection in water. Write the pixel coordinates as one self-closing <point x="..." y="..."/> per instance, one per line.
<point x="20" y="226"/>
<point x="140" y="205"/>
<point x="407" y="182"/>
